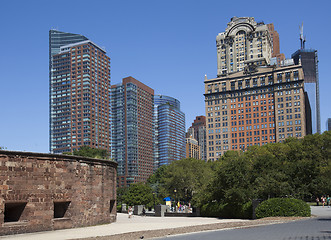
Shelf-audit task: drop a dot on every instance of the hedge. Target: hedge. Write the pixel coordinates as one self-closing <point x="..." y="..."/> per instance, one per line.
<point x="283" y="207"/>
<point x="216" y="209"/>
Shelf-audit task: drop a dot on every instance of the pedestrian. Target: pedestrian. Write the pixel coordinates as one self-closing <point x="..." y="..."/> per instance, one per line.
<point x="323" y="200"/>
<point x="317" y="201"/>
<point x="130" y="211"/>
<point x="144" y="212"/>
<point x="328" y="201"/>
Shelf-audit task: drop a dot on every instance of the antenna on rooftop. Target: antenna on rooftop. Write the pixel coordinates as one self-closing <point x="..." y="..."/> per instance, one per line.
<point x="302" y="38"/>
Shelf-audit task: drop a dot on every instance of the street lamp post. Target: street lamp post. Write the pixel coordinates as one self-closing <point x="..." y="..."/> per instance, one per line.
<point x="154" y="200"/>
<point x="175" y="191"/>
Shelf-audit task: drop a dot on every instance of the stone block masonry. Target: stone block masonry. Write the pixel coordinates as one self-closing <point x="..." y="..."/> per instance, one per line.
<point x="40" y="192"/>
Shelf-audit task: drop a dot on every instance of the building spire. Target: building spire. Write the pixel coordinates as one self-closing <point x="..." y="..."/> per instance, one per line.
<point x="302" y="37"/>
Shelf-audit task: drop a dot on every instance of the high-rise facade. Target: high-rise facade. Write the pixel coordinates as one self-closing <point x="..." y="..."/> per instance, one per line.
<point x="275" y="44"/>
<point x="132" y="138"/>
<point x="254" y="103"/>
<point x="245" y="109"/>
<point x="57" y="39"/>
<point x="328" y="124"/>
<point x="198" y="132"/>
<point x="79" y="93"/>
<point x="192" y="148"/>
<point x="244" y="41"/>
<point x="169" y="130"/>
<point x="309" y="60"/>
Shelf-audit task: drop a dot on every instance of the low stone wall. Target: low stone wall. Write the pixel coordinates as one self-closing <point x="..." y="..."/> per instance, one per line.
<point x="46" y="192"/>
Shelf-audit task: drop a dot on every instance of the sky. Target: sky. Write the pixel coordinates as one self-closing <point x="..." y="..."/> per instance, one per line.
<point x="167" y="45"/>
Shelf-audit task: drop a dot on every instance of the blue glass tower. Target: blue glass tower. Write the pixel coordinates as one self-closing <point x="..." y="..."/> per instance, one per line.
<point x="169" y="143"/>
<point x="309" y="61"/>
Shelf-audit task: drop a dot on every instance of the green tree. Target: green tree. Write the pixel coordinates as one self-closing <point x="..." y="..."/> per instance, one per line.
<point x="232" y="183"/>
<point x="138" y="194"/>
<point x="87" y="151"/>
<point x="155" y="181"/>
<point x="120" y="192"/>
<point x="187" y="177"/>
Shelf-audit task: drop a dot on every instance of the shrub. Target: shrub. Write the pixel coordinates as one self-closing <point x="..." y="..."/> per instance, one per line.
<point x="216" y="209"/>
<point x="283" y="207"/>
<point x="212" y="209"/>
<point x="243" y="211"/>
<point x="119" y="208"/>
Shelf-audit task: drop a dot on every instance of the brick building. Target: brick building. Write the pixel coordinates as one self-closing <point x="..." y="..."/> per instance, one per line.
<point x="79" y="93"/>
<point x="198" y="132"/>
<point x="192" y="148"/>
<point x="41" y="192"/>
<point x="254" y="107"/>
<point x="257" y="97"/>
<point x="274" y="36"/>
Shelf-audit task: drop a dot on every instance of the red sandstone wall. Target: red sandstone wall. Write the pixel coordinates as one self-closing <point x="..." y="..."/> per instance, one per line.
<point x="42" y="179"/>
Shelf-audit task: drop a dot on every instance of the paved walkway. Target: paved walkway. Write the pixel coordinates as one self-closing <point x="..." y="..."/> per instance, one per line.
<point x="137" y="223"/>
<point x="305" y="229"/>
<point x="122" y="225"/>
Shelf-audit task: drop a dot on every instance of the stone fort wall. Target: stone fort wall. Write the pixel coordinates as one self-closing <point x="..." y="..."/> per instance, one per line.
<point x="42" y="192"/>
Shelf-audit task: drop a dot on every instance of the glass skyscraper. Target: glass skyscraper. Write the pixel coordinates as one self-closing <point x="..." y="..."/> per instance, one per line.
<point x="169" y="142"/>
<point x="132" y="130"/>
<point x="309" y="61"/>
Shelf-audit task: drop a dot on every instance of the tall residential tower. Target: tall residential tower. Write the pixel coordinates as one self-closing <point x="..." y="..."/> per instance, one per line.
<point x="169" y="130"/>
<point x="132" y="130"/>
<point x="79" y="93"/>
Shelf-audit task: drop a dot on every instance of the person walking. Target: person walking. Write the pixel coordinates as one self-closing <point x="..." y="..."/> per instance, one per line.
<point x="143" y="212"/>
<point x="130" y="211"/>
<point x="328" y="201"/>
<point x="323" y="200"/>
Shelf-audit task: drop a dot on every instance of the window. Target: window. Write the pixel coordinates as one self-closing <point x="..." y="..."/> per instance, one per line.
<point x="60" y="209"/>
<point x="13" y="211"/>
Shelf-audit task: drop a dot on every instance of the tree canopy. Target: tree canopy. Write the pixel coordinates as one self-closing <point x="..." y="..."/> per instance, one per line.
<point x="299" y="168"/>
<point x="181" y="179"/>
<point x="137" y="194"/>
<point x="86" y="151"/>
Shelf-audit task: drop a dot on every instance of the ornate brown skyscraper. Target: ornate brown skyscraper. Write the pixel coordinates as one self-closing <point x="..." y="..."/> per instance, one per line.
<point x="243" y="42"/>
<point x="255" y="103"/>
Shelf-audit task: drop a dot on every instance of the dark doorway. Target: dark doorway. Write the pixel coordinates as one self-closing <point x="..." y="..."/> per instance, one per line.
<point x="112" y="204"/>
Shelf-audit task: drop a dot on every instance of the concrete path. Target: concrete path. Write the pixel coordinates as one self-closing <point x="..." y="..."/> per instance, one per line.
<point x="321" y="211"/>
<point x="122" y="225"/>
<point x="137" y="223"/>
<point x="317" y="228"/>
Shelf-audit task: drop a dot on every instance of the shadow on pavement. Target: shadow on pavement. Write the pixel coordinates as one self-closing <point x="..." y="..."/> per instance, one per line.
<point x="324" y="219"/>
